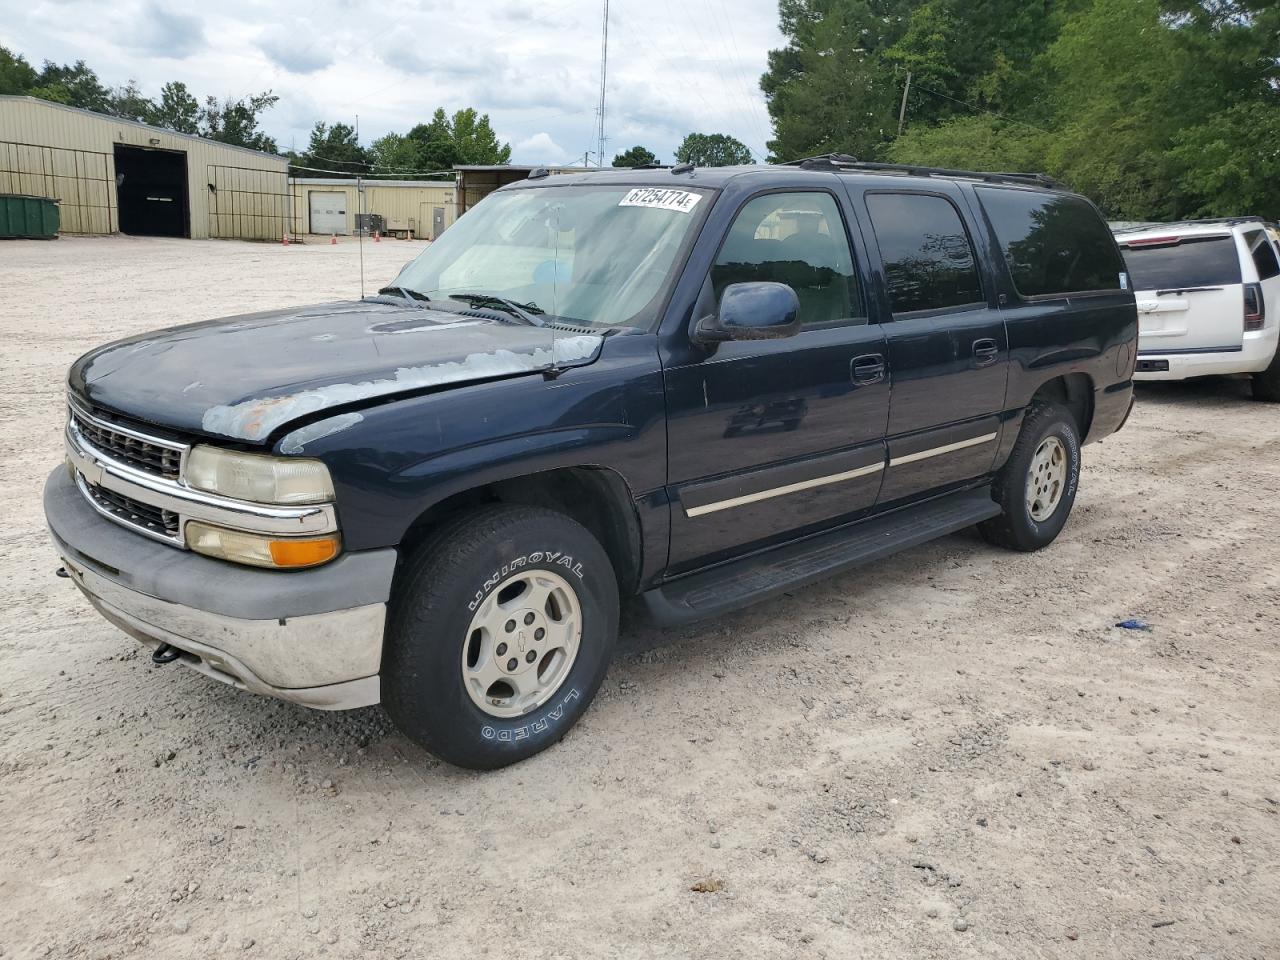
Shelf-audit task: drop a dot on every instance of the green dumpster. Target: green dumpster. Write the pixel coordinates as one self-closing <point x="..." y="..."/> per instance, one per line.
<point x="33" y="218"/>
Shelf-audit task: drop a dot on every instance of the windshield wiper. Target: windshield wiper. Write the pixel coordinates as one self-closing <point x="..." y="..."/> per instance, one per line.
<point x="406" y="293"/>
<point x="524" y="312"/>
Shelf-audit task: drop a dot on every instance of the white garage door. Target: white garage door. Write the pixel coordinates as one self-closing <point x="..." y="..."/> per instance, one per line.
<point x="328" y="212"/>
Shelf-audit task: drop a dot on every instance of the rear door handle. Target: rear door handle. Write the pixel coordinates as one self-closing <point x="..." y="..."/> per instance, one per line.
<point x="985" y="351"/>
<point x="868" y="368"/>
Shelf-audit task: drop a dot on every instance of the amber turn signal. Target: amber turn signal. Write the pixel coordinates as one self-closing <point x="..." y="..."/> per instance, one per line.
<point x="261" y="551"/>
<point x="303" y="553"/>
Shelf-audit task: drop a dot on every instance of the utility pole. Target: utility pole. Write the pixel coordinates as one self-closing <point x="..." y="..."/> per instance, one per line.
<point x="902" y="112"/>
<point x="604" y="70"/>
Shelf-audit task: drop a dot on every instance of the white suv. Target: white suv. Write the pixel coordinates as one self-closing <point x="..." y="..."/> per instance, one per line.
<point x="1208" y="295"/>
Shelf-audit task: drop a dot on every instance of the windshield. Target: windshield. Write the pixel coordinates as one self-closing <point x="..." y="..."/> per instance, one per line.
<point x="1182" y="263"/>
<point x="581" y="254"/>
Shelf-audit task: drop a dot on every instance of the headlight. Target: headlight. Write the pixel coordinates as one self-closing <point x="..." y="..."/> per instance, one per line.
<point x="259" y="550"/>
<point x="258" y="478"/>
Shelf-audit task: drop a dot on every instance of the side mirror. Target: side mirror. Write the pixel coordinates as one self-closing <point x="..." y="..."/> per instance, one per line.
<point x="752" y="311"/>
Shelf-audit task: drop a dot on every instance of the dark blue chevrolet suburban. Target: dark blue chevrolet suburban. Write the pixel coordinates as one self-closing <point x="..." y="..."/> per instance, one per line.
<point x="693" y="388"/>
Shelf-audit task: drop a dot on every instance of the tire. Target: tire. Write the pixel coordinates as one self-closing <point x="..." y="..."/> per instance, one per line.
<point x="1266" y="385"/>
<point x="477" y="568"/>
<point x="1022" y="525"/>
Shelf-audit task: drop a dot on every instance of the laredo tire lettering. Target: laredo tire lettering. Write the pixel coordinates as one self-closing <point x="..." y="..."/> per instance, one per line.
<point x="524" y="731"/>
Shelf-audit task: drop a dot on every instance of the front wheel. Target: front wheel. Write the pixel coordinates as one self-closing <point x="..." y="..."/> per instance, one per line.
<point x="499" y="635"/>
<point x="1036" y="488"/>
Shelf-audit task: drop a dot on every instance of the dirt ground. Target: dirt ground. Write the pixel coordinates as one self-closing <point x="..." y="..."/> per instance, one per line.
<point x="952" y="754"/>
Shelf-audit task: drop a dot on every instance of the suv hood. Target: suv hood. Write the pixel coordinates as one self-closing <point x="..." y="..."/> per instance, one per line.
<point x="245" y="377"/>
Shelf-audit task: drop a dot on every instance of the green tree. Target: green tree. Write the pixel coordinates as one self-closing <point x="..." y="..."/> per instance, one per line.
<point x="983" y="142"/>
<point x="334" y="149"/>
<point x="236" y="121"/>
<point x="436" y="148"/>
<point x="636" y="157"/>
<point x="439" y="144"/>
<point x="176" y="109"/>
<point x="712" y="150"/>
<point x="17" y="77"/>
<point x="395" y="154"/>
<point x="128" y="103"/>
<point x="830" y="89"/>
<point x="475" y="140"/>
<point x="73" y="84"/>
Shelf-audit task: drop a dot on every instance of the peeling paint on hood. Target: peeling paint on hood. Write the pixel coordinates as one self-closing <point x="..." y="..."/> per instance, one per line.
<point x="245" y="378"/>
<point x="294" y="442"/>
<point x="258" y="419"/>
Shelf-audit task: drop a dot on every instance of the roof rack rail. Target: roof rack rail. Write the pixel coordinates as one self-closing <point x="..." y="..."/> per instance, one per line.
<point x="842" y="161"/>
<point x="1202" y="221"/>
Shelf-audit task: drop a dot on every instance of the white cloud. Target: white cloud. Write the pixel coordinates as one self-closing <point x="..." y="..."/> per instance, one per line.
<point x="673" y="68"/>
<point x="539" y="148"/>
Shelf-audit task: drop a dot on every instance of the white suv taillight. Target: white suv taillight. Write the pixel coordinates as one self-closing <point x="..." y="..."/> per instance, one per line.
<point x="1255" y="310"/>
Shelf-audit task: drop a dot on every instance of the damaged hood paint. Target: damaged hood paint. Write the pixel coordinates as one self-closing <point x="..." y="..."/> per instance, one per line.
<point x="245" y="377"/>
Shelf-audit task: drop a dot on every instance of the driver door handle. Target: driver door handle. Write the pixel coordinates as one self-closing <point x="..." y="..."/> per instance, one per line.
<point x="868" y="368"/>
<point x="985" y="352"/>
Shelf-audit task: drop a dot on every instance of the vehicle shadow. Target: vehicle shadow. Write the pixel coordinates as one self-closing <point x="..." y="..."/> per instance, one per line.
<point x="1174" y="393"/>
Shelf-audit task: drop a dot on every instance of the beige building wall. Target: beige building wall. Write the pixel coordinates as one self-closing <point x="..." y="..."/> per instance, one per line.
<point x="48" y="150"/>
<point x="406" y="205"/>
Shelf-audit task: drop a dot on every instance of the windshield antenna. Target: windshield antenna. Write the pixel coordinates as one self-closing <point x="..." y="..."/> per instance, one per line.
<point x="360" y="232"/>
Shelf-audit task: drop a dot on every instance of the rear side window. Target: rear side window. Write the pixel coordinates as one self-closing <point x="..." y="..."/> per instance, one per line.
<point x="1054" y="244"/>
<point x="1180" y="263"/>
<point x="928" y="258"/>
<point x="1264" y="256"/>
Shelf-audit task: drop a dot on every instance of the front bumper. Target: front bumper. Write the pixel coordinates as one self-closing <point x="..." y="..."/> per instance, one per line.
<point x="312" y="637"/>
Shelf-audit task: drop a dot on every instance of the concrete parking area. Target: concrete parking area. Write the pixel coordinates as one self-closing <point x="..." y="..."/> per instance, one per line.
<point x="954" y="753"/>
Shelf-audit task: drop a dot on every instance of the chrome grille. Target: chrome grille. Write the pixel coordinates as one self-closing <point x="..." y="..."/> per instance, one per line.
<point x="134" y="513"/>
<point x="149" y="456"/>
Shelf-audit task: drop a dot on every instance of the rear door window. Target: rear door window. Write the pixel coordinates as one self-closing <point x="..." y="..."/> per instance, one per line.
<point x="928" y="258"/>
<point x="1264" y="255"/>
<point x="1054" y="244"/>
<point x="1180" y="263"/>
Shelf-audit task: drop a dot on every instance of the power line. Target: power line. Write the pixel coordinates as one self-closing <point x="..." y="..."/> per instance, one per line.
<point x="974" y="106"/>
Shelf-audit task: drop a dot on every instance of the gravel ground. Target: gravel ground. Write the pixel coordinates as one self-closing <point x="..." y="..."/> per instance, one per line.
<point x="952" y="754"/>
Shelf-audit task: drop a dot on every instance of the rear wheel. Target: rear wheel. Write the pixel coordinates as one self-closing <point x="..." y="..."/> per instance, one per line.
<point x="1036" y="488"/>
<point x="1266" y="385"/>
<point x="499" y="635"/>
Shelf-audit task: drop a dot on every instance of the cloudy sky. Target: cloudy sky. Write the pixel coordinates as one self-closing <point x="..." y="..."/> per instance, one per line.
<point x="675" y="66"/>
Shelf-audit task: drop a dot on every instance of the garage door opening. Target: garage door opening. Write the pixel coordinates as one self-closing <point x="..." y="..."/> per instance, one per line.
<point x="328" y="212"/>
<point x="151" y="192"/>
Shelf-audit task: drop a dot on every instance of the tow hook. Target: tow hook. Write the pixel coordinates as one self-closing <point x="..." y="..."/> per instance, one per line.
<point x="62" y="572"/>
<point x="165" y="654"/>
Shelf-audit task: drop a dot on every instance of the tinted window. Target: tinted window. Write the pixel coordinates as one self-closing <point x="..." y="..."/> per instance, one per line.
<point x="928" y="259"/>
<point x="1264" y="257"/>
<point x="1053" y="244"/>
<point x="797" y="239"/>
<point x="1182" y="262"/>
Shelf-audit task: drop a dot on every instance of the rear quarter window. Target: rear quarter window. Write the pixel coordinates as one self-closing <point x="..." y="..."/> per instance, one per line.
<point x="1181" y="263"/>
<point x="1054" y="244"/>
<point x="1264" y="255"/>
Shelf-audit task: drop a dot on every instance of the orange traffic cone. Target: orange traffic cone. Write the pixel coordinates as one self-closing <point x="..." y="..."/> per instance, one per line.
<point x="333" y="239"/>
<point x="376" y="237"/>
<point x="284" y="239"/>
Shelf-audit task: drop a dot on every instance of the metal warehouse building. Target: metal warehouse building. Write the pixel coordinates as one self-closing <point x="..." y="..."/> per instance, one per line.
<point x="331" y="206"/>
<point x="113" y="175"/>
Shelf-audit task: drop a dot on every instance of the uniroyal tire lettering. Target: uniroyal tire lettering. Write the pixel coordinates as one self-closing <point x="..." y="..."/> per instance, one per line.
<point x="554" y="559"/>
<point x="541" y="725"/>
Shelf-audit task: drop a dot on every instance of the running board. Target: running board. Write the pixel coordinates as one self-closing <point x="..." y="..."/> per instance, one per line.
<point x="793" y="565"/>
